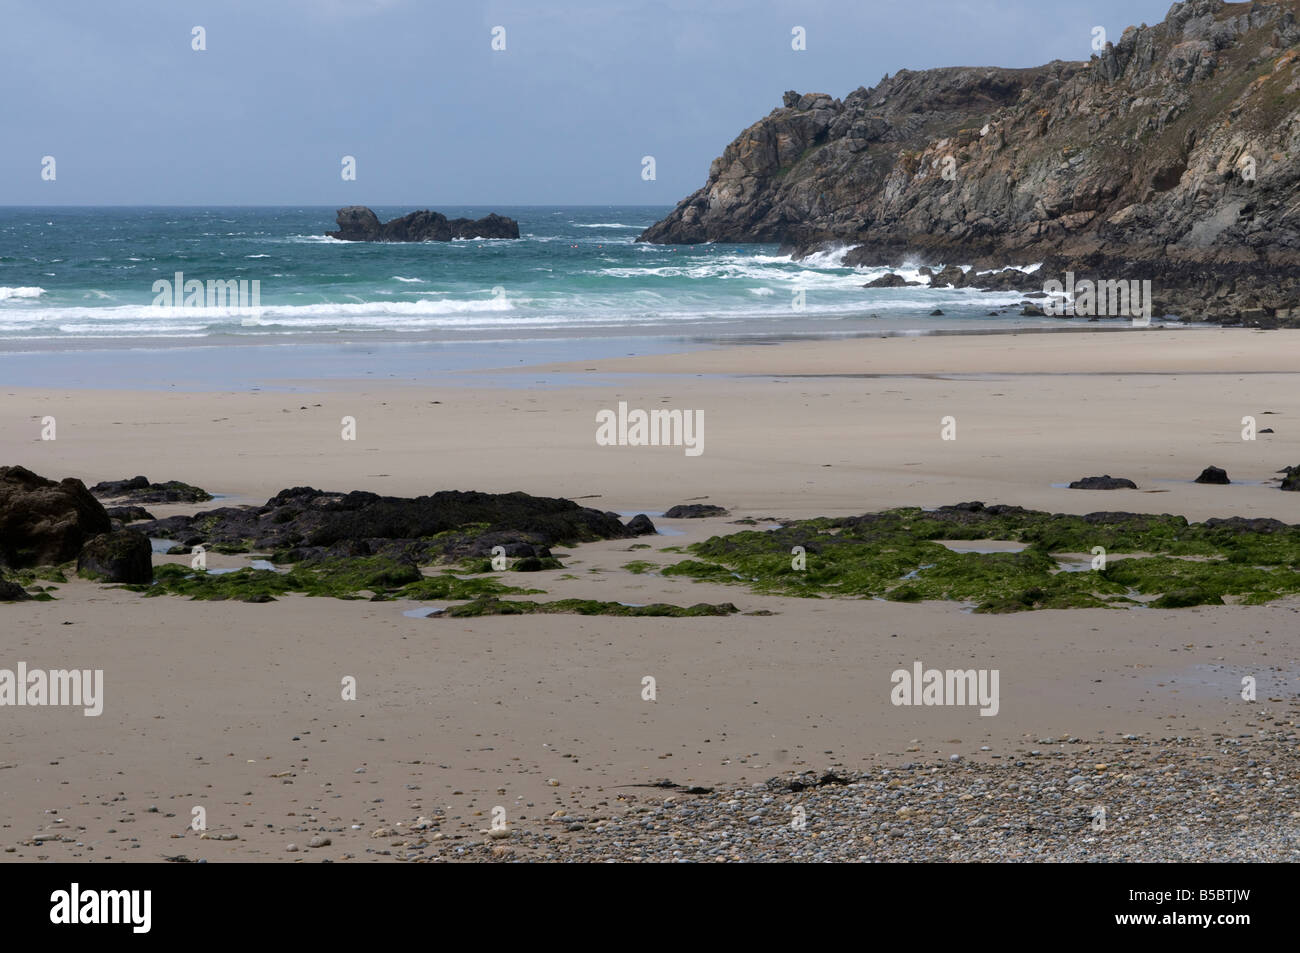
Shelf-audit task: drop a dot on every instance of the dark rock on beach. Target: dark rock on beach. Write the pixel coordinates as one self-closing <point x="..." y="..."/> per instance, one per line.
<point x="45" y="523"/>
<point x="306" y="523"/>
<point x="121" y="556"/>
<point x="359" y="224"/>
<point x="1213" y="475"/>
<point x="12" y="592"/>
<point x="694" y="511"/>
<point x="140" y="490"/>
<point x="129" y="514"/>
<point x="641" y="525"/>
<point x="1292" y="479"/>
<point x="1106" y="482"/>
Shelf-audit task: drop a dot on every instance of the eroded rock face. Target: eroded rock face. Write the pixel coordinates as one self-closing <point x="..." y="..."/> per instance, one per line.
<point x="123" y="556"/>
<point x="359" y="224"/>
<point x="304" y="523"/>
<point x="1173" y="156"/>
<point x="45" y="523"/>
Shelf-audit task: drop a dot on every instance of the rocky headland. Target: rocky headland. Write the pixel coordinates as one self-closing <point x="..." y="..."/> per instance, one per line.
<point x="1170" y="156"/>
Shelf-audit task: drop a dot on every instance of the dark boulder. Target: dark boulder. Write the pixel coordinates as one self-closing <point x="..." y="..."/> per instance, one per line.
<point x="129" y="514"/>
<point x="359" y="224"/>
<point x="140" y="490"/>
<point x="1106" y="482"/>
<point x="1292" y="480"/>
<point x="12" y="592"/>
<point x="1242" y="524"/>
<point x="951" y="276"/>
<point x="1008" y="279"/>
<point x="640" y="525"/>
<point x="890" y="280"/>
<point x="43" y="522"/>
<point x="694" y="511"/>
<point x="1213" y="475"/>
<point x="120" y="556"/>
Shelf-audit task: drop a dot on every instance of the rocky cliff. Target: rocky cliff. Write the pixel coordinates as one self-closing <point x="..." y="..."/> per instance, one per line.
<point x="359" y="224"/>
<point x="1172" y="155"/>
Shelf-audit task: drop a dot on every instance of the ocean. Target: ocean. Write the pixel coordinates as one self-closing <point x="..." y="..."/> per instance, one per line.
<point x="87" y="275"/>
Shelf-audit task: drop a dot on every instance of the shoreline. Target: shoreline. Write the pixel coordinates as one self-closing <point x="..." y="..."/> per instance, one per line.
<point x="127" y="363"/>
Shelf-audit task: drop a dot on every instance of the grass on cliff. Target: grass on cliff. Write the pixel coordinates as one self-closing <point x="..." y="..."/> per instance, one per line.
<point x="893" y="555"/>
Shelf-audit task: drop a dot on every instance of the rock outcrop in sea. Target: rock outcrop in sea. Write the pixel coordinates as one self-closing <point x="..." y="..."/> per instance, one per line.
<point x="359" y="224"/>
<point x="1171" y="156"/>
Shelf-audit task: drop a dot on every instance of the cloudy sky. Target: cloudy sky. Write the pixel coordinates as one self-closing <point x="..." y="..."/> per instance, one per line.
<point x="413" y="89"/>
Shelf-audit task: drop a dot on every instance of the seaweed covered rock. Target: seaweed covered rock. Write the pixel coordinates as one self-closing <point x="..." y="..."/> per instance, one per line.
<point x="120" y="556"/>
<point x="304" y="523"/>
<point x="42" y="522"/>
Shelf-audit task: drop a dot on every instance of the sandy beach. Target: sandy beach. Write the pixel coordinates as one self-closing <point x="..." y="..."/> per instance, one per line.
<point x="236" y="708"/>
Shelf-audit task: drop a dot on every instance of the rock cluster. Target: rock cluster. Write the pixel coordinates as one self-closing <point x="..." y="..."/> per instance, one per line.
<point x="306" y="523"/>
<point x="359" y="224"/>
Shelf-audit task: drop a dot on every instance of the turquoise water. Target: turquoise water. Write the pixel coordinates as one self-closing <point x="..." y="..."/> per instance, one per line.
<point x="87" y="275"/>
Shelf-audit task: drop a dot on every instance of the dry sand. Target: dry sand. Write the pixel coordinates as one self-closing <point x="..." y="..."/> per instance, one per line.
<point x="237" y="708"/>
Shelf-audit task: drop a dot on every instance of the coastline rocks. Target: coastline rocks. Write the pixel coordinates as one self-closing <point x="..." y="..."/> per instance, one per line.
<point x="305" y="523"/>
<point x="1292" y="479"/>
<point x="1169" y="156"/>
<point x="140" y="490"/>
<point x="694" y="511"/>
<point x="123" y="556"/>
<point x="359" y="224"/>
<point x="43" y="522"/>
<point x="1106" y="482"/>
<point x="1213" y="475"/>
<point x="890" y="280"/>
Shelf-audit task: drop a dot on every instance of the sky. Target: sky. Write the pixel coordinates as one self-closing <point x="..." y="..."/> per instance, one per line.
<point x="132" y="114"/>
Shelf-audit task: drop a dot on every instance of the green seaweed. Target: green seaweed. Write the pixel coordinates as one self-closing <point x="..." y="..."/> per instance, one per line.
<point x="894" y="556"/>
<point x="490" y="605"/>
<point x="340" y="578"/>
